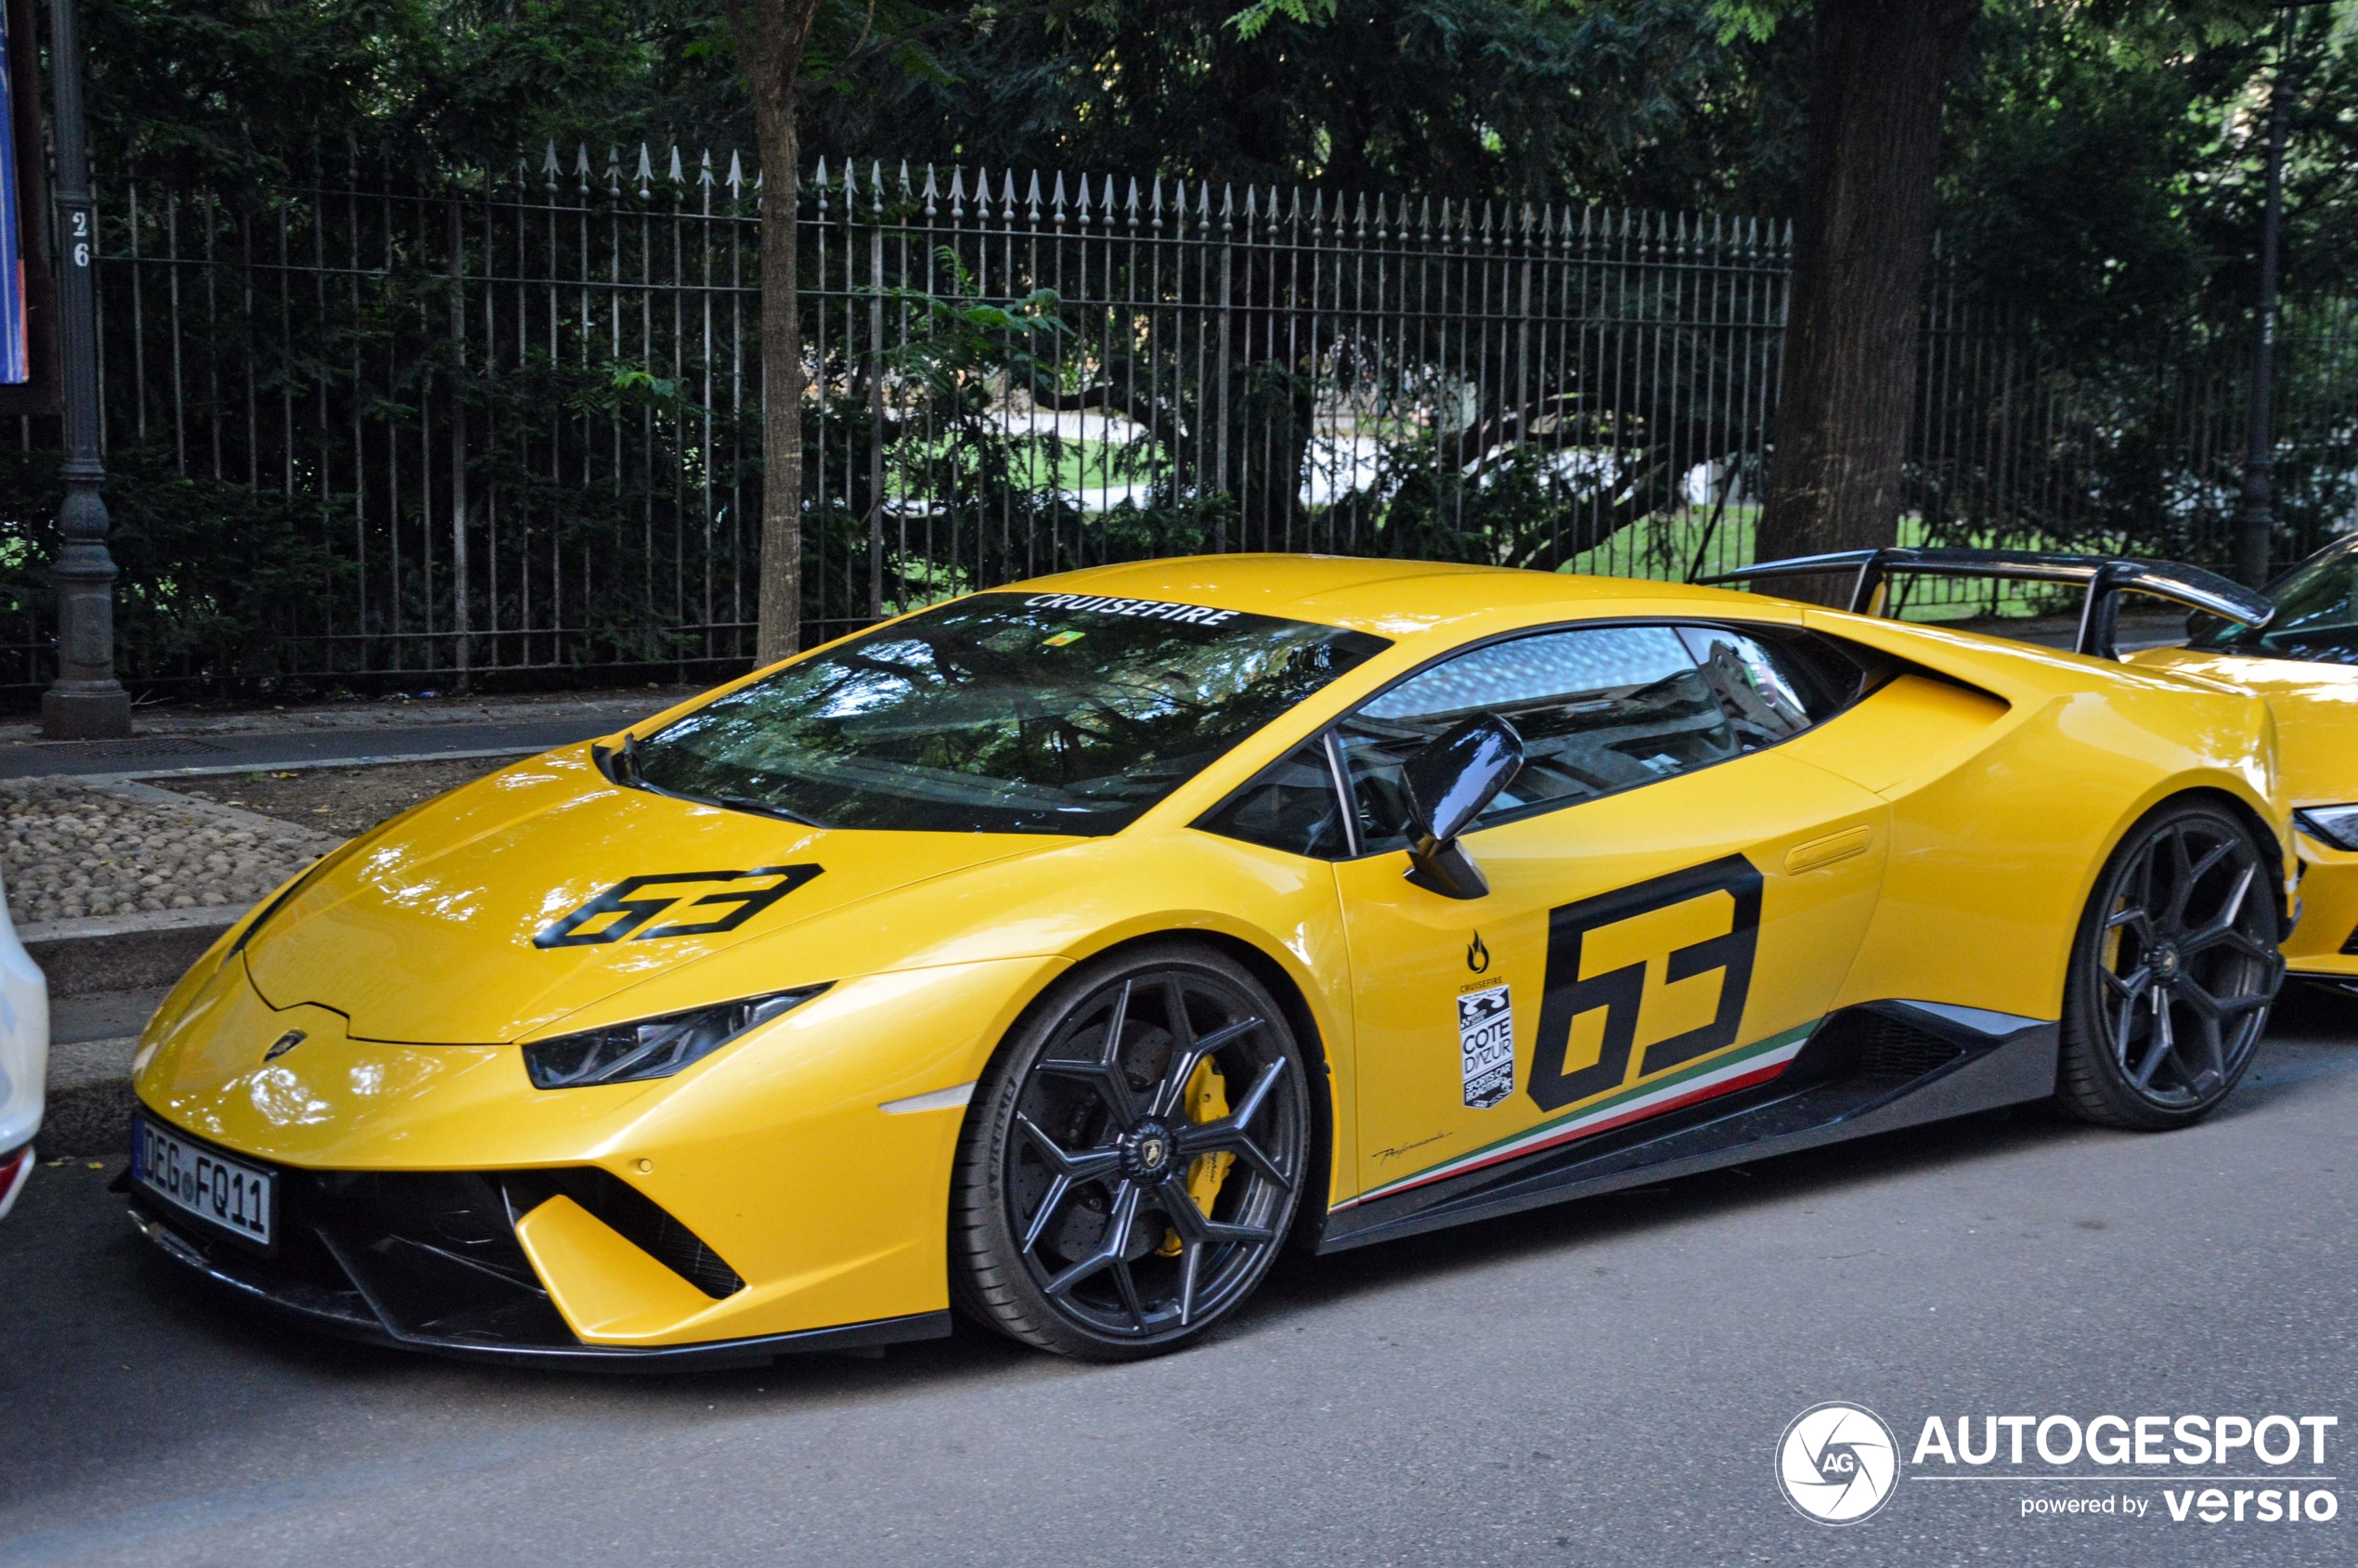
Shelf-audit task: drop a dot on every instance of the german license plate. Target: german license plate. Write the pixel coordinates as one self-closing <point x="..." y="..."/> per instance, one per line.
<point x="237" y="1197"/>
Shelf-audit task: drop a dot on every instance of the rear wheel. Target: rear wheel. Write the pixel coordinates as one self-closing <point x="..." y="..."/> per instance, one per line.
<point x="1133" y="1158"/>
<point x="2172" y="974"/>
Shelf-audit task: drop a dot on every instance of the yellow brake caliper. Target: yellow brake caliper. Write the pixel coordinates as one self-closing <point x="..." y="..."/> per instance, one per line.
<point x="1206" y="1100"/>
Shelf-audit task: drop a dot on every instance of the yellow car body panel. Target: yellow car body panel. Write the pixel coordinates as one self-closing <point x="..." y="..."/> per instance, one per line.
<point x="1935" y="841"/>
<point x="2317" y="708"/>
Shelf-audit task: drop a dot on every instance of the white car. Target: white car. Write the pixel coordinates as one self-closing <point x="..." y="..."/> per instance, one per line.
<point x="25" y="1059"/>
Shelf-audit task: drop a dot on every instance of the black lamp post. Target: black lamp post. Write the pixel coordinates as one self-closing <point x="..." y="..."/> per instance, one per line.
<point x="87" y="702"/>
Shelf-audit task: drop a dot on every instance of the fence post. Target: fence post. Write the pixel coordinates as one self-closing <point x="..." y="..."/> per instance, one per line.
<point x="1220" y="429"/>
<point x="87" y="702"/>
<point x="876" y="397"/>
<point x="458" y="583"/>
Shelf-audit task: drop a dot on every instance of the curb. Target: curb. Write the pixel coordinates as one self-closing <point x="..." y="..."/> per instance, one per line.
<point x="379" y="761"/>
<point x="90" y="1100"/>
<point x="124" y="951"/>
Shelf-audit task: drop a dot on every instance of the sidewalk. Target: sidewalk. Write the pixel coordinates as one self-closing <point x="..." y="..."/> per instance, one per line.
<point x="191" y="742"/>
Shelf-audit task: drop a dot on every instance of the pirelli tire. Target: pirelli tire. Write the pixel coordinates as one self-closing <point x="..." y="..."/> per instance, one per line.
<point x="2172" y="972"/>
<point x="1133" y="1162"/>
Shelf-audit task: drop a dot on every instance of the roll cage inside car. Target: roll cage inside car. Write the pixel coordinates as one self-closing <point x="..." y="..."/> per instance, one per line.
<point x="2105" y="578"/>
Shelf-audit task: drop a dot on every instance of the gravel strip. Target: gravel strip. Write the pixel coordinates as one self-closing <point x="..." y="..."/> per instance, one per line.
<point x="343" y="801"/>
<point x="70" y="849"/>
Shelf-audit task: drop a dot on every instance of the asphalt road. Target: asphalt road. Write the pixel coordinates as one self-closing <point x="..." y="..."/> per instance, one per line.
<point x="1599" y="1384"/>
<point x="162" y="757"/>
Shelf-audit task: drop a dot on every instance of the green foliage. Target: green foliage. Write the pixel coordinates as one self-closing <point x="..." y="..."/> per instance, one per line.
<point x="1254" y="18"/>
<point x="250" y="89"/>
<point x="208" y="568"/>
<point x="2100" y="188"/>
<point x="961" y="349"/>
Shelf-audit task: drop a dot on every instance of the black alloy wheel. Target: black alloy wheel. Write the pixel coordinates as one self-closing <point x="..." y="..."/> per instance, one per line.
<point x="2173" y="972"/>
<point x="1130" y="1164"/>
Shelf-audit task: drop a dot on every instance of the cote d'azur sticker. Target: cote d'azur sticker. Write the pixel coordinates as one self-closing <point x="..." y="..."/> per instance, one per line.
<point x="1486" y="1042"/>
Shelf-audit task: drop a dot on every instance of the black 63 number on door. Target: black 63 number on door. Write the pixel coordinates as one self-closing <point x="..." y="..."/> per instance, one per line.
<point x="1724" y="894"/>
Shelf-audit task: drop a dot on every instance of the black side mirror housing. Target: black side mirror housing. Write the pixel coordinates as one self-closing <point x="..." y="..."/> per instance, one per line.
<point x="1449" y="783"/>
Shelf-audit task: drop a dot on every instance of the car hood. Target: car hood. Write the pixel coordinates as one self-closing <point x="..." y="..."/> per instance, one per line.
<point x="2317" y="709"/>
<point x="524" y="898"/>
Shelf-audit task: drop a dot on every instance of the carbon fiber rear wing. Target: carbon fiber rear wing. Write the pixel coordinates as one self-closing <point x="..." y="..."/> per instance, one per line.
<point x="2105" y="578"/>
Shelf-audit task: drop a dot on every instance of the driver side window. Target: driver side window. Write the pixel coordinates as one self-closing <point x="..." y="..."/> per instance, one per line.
<point x="1600" y="709"/>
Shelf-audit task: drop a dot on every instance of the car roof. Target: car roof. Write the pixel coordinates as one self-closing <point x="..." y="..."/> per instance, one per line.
<point x="1391" y="599"/>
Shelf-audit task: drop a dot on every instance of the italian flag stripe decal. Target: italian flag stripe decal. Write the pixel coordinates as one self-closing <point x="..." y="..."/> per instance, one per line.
<point x="1713" y="1076"/>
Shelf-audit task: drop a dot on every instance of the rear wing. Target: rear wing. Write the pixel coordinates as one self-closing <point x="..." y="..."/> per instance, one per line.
<point x="2105" y="578"/>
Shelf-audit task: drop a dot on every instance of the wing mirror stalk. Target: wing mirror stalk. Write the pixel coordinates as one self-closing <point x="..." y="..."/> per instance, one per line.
<point x="1449" y="783"/>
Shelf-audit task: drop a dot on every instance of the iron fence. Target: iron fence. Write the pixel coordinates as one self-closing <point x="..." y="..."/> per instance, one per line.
<point x="366" y="430"/>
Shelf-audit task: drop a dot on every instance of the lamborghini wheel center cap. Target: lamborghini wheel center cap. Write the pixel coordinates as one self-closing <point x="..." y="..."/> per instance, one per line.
<point x="1150" y="1148"/>
<point x="2166" y="963"/>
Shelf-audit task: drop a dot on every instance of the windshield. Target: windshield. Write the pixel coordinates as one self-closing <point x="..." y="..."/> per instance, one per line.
<point x="2316" y="613"/>
<point x="1003" y="713"/>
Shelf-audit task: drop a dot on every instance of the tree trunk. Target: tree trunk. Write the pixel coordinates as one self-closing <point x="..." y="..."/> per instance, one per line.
<point x="1861" y="244"/>
<point x="780" y="633"/>
<point x="771" y="37"/>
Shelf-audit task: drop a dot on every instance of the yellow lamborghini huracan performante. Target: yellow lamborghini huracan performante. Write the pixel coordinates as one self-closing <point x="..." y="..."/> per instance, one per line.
<point x="1062" y="953"/>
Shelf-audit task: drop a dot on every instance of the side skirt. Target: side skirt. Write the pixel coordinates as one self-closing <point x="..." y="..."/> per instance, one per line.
<point x="1867" y="1070"/>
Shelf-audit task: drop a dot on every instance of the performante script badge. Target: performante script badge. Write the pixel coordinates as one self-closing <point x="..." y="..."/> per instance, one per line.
<point x="1486" y="1042"/>
<point x="618" y="915"/>
<point x="1837" y="1463"/>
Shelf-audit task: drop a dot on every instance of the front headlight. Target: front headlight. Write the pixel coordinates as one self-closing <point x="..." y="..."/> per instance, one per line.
<point x="651" y="1047"/>
<point x="2337" y="825"/>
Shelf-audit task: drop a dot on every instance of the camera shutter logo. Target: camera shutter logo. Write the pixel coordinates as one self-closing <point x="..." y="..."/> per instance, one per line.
<point x="1837" y="1463"/>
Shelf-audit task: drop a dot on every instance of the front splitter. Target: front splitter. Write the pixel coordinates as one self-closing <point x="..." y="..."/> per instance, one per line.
<point x="338" y="1314"/>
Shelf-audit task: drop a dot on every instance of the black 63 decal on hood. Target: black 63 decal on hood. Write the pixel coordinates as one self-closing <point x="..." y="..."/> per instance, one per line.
<point x="765" y="885"/>
<point x="1733" y="883"/>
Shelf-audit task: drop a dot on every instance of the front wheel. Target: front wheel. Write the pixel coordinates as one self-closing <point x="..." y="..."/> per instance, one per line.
<point x="1133" y="1158"/>
<point x="2172" y="972"/>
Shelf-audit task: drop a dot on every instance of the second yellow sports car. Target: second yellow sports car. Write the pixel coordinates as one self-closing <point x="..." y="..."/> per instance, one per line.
<point x="1063" y="952"/>
<point x="2304" y="661"/>
<point x="2295" y="646"/>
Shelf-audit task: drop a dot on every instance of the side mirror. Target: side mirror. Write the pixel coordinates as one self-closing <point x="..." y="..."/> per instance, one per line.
<point x="1449" y="783"/>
